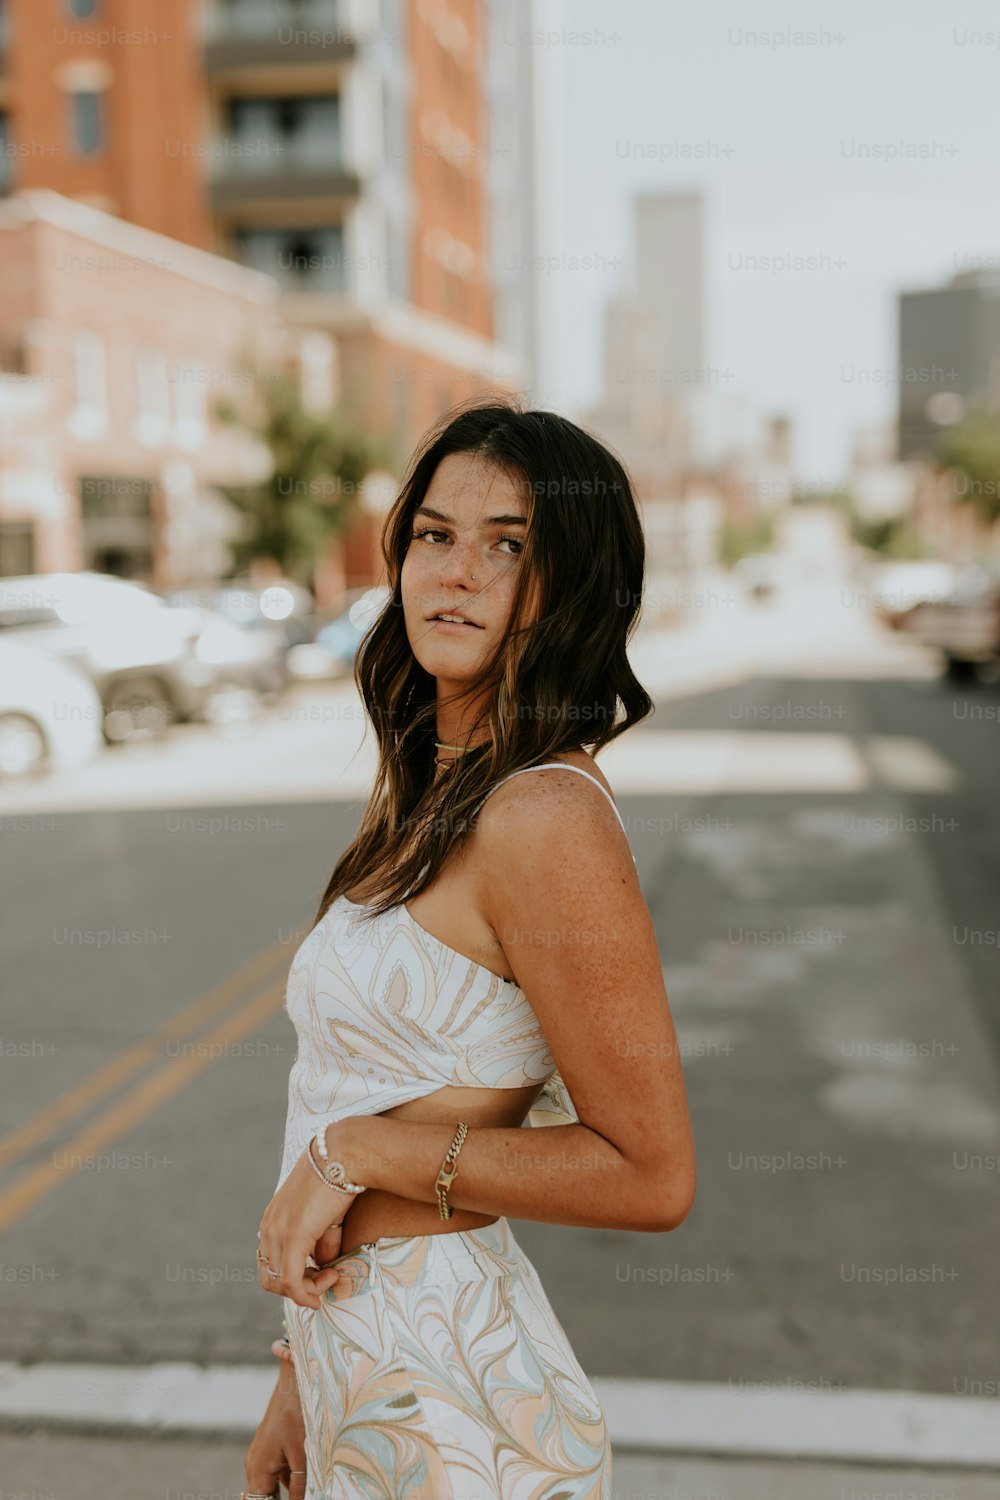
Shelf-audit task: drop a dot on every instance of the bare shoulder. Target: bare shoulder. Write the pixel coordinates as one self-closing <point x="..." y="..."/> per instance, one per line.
<point x="584" y="761"/>
<point x="547" y="784"/>
<point x="551" y="818"/>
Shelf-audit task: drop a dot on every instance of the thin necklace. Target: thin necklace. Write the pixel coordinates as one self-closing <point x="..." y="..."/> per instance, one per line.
<point x="440" y="760"/>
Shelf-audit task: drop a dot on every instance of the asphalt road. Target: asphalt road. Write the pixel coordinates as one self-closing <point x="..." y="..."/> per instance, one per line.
<point x="47" y="1466"/>
<point x="831" y="957"/>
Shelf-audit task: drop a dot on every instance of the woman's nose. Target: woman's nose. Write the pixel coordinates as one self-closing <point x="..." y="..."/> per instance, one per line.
<point x="459" y="564"/>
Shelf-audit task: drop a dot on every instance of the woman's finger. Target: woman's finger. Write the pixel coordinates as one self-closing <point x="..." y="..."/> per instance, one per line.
<point x="269" y="1280"/>
<point x="298" y="1284"/>
<point x="262" y="1479"/>
<point x="267" y="1262"/>
<point x="297" y="1487"/>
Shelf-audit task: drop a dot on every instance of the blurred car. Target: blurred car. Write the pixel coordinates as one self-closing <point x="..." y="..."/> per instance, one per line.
<point x="150" y="664"/>
<point x="281" y="610"/>
<point x="50" y="714"/>
<point x="271" y="618"/>
<point x="896" y="589"/>
<point x="964" y="626"/>
<point x="333" y="651"/>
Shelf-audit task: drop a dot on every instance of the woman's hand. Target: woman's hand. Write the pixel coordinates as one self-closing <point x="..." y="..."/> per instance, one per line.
<point x="303" y="1214"/>
<point x="277" y="1454"/>
<point x="328" y="1244"/>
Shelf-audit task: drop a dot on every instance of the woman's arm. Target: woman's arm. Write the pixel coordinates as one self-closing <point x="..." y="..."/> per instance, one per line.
<point x="565" y="903"/>
<point x="558" y="1174"/>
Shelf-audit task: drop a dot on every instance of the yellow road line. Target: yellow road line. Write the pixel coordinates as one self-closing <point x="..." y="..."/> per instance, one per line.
<point x="131" y="1059"/>
<point x="40" y="1181"/>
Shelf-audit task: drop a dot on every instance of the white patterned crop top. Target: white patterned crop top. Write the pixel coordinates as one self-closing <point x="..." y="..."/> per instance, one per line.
<point x="385" y="1013"/>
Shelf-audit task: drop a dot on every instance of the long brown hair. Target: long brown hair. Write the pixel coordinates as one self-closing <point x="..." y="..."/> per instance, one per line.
<point x="561" y="677"/>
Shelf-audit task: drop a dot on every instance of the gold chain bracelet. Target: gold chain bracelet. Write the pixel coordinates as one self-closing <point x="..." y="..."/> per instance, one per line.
<point x="448" y="1171"/>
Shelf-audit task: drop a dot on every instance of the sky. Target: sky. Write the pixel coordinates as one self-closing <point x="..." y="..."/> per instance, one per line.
<point x="864" y="136"/>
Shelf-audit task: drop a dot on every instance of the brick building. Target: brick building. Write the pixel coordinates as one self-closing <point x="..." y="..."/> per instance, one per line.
<point x="344" y="147"/>
<point x="113" y="342"/>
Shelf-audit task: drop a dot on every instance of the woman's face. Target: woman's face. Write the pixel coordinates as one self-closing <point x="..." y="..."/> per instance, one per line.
<point x="462" y="559"/>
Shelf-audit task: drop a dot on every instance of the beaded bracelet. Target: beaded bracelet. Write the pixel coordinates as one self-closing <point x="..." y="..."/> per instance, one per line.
<point x="333" y="1173"/>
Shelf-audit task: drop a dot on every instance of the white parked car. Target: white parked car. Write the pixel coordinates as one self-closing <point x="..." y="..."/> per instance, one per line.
<point x="50" y="714"/>
<point x="898" y="588"/>
<point x="150" y="664"/>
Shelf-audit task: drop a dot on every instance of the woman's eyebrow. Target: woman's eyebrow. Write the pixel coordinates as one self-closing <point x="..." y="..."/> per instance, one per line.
<point x="439" y="515"/>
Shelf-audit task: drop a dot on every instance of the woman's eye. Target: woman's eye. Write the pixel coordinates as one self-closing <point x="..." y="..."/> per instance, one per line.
<point x="430" y="531"/>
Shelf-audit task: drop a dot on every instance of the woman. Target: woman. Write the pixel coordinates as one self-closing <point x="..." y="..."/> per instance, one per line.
<point x="466" y="973"/>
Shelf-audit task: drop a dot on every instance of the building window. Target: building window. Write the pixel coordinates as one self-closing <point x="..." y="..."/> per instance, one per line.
<point x="87" y="106"/>
<point x="116" y="514"/>
<point x="258" y="17"/>
<point x="17" y="548"/>
<point x="299" y="131"/>
<point x="81" y="9"/>
<point x="190" y="381"/>
<point x="6" y="156"/>
<point x="302" y="260"/>
<point x="152" y="397"/>
<point x="89" y="417"/>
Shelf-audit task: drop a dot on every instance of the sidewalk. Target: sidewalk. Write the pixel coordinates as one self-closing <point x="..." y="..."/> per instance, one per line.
<point x="46" y="1467"/>
<point x="179" y="1432"/>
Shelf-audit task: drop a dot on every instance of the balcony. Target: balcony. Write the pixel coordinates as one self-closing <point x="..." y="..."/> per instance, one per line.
<point x="308" y="259"/>
<point x="239" y="181"/>
<point x="255" y="33"/>
<point x="281" y="148"/>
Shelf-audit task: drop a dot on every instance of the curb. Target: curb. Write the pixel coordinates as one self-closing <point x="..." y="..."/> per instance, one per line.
<point x="651" y="1417"/>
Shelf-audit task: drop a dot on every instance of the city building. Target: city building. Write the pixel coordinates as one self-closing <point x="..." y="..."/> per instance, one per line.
<point x="697" y="452"/>
<point x="949" y="358"/>
<point x="349" y="149"/>
<point x="114" y="343"/>
<point x="654" y="343"/>
<point x="653" y="371"/>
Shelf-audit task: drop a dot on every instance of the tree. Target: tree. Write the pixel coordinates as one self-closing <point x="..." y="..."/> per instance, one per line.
<point x="892" y="537"/>
<point x="971" y="451"/>
<point x="312" y="493"/>
<point x="744" y="538"/>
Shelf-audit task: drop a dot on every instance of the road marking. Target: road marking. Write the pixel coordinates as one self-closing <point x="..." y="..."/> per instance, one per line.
<point x="899" y="1428"/>
<point x="40" y="1181"/>
<point x="908" y="764"/>
<point x="131" y="1059"/>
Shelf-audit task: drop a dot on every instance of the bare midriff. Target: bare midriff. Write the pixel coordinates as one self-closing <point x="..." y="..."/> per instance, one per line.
<point x="377" y="1214"/>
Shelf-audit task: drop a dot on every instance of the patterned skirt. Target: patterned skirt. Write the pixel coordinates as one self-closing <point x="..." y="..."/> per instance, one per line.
<point x="436" y="1369"/>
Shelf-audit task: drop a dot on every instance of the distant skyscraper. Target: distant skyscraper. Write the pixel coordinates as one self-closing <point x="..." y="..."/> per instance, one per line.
<point x="654" y="344"/>
<point x="669" y="260"/>
<point x="949" y="358"/>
